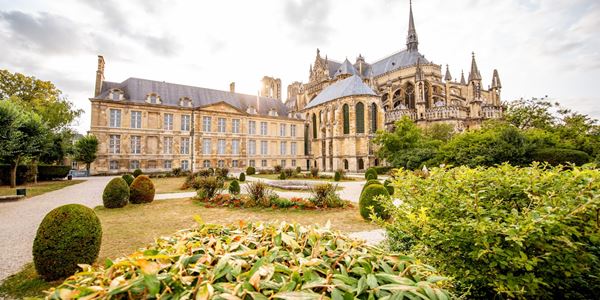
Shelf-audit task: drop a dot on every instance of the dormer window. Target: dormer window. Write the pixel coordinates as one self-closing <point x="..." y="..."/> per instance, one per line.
<point x="185" y="102"/>
<point x="273" y="112"/>
<point x="115" y="94"/>
<point x="153" y="98"/>
<point x="251" y="110"/>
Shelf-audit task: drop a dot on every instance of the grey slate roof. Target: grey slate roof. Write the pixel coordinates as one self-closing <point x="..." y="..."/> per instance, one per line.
<point x="136" y="90"/>
<point x="346" y="68"/>
<point x="397" y="60"/>
<point x="333" y="66"/>
<point x="350" y="86"/>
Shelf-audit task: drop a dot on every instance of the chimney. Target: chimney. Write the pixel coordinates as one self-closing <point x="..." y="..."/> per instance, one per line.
<point x="232" y="87"/>
<point x="99" y="76"/>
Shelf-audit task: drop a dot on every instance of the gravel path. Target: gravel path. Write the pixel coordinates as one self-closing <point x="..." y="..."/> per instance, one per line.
<point x="21" y="219"/>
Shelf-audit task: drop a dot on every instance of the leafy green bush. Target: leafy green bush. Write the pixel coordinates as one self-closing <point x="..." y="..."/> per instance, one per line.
<point x="325" y="196"/>
<point x="504" y="232"/>
<point x="45" y="172"/>
<point x="176" y="172"/>
<point x="558" y="156"/>
<point x="258" y="192"/>
<point x="298" y="170"/>
<point x="314" y="172"/>
<point x="250" y="170"/>
<point x="141" y="190"/>
<point x="128" y="178"/>
<point x="382" y="170"/>
<point x="242" y="177"/>
<point x="289" y="173"/>
<point x="221" y="172"/>
<point x="337" y="176"/>
<point x="389" y="187"/>
<point x="264" y="261"/>
<point x="370" y="197"/>
<point x="370" y="174"/>
<point x="282" y="176"/>
<point x="208" y="187"/>
<point x="137" y="172"/>
<point x="369" y="182"/>
<point x="234" y="187"/>
<point x="277" y="169"/>
<point x="68" y="235"/>
<point x="116" y="193"/>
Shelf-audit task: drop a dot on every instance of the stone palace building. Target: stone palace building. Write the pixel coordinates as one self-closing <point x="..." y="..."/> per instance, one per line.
<point x="327" y="123"/>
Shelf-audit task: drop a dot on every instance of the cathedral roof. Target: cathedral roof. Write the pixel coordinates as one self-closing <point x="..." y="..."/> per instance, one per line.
<point x="137" y="90"/>
<point x="397" y="60"/>
<point x="351" y="86"/>
<point x="346" y="68"/>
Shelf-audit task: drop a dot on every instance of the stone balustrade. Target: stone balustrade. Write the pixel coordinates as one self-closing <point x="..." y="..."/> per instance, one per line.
<point x="446" y="112"/>
<point x="396" y="114"/>
<point x="491" y="112"/>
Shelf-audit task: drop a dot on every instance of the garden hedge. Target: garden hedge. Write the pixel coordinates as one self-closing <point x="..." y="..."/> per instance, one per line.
<point x="369" y="198"/>
<point x="370" y="174"/>
<point x="52" y="172"/>
<point x="141" y="190"/>
<point x="68" y="235"/>
<point x="560" y="156"/>
<point x="116" y="193"/>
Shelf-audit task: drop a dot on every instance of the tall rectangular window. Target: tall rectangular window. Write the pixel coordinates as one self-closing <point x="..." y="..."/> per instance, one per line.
<point x="251" y="147"/>
<point x="251" y="163"/>
<point x="235" y="147"/>
<point x="221" y="147"/>
<point x="292" y="130"/>
<point x="168" y="122"/>
<point x="282" y="129"/>
<point x="185" y="165"/>
<point x="264" y="147"/>
<point x="221" y="124"/>
<point x="251" y="127"/>
<point x="114" y="144"/>
<point x="115" y="118"/>
<point x="185" y="123"/>
<point x="167" y="145"/>
<point x="206" y="146"/>
<point x="235" y="125"/>
<point x="282" y="148"/>
<point x="293" y="148"/>
<point x="114" y="165"/>
<point x="134" y="164"/>
<point x="185" y="145"/>
<point x="168" y="164"/>
<point x="136" y="144"/>
<point x="263" y="128"/>
<point x="206" y="123"/>
<point x="263" y="163"/>
<point x="136" y="119"/>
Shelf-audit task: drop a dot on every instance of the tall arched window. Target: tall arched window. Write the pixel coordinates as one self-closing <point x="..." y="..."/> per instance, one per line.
<point x="409" y="96"/>
<point x="360" y="118"/>
<point x="346" y="113"/>
<point x="373" y="117"/>
<point x="314" y="123"/>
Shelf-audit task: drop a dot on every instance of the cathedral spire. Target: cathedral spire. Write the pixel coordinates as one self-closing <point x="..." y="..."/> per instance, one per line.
<point x="412" y="42"/>
<point x="462" y="77"/>
<point x="448" y="77"/>
<point x="496" y="80"/>
<point x="474" y="74"/>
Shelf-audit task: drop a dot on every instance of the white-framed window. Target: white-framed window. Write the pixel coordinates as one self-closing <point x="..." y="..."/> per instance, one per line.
<point x="206" y="146"/>
<point x="235" y="147"/>
<point x="293" y="162"/>
<point x="116" y="95"/>
<point x="235" y="125"/>
<point x="153" y="98"/>
<point x="282" y="129"/>
<point x="114" y="144"/>
<point x="234" y="163"/>
<point x="136" y="144"/>
<point x="74" y="165"/>
<point x="221" y="163"/>
<point x="206" y="163"/>
<point x="283" y="163"/>
<point x="263" y="163"/>
<point x="264" y="147"/>
<point x="167" y="145"/>
<point x="221" y="147"/>
<point x="115" y="118"/>
<point x="134" y="164"/>
<point x="168" y="122"/>
<point x="282" y="148"/>
<point x="136" y="119"/>
<point x="292" y="130"/>
<point x="114" y="165"/>
<point x="206" y="123"/>
<point x="186" y="122"/>
<point x="251" y="147"/>
<point x="185" y="164"/>
<point x="221" y="124"/>
<point x="264" y="128"/>
<point x="252" y="163"/>
<point x="252" y="127"/>
<point x="185" y="145"/>
<point x="168" y="164"/>
<point x="293" y="148"/>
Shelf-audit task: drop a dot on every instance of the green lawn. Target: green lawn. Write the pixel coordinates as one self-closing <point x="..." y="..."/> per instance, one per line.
<point x="39" y="188"/>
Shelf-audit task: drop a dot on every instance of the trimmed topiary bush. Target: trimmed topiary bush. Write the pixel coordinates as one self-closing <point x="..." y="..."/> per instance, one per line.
<point x="298" y="170"/>
<point x="128" y="178"/>
<point x="277" y="169"/>
<point x="68" y="235"/>
<point x="137" y="172"/>
<point x="314" y="172"/>
<point x="388" y="186"/>
<point x="282" y="176"/>
<point x="370" y="173"/>
<point x="242" y="177"/>
<point x="141" y="190"/>
<point x="250" y="170"/>
<point x="337" y="176"/>
<point x="234" y="187"/>
<point x="369" y="182"/>
<point x="368" y="198"/>
<point x="559" y="156"/>
<point x="116" y="193"/>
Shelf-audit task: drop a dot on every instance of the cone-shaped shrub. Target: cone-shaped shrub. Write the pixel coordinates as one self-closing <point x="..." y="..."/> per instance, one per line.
<point x="137" y="172"/>
<point x="337" y="176"/>
<point x="68" y="235"/>
<point x="370" y="173"/>
<point x="116" y="193"/>
<point x="142" y="190"/>
<point x="368" y="198"/>
<point x="234" y="187"/>
<point x="128" y="178"/>
<point x="242" y="177"/>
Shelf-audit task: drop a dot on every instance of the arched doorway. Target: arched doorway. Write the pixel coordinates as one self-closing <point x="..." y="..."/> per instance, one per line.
<point x="361" y="164"/>
<point x="345" y="164"/>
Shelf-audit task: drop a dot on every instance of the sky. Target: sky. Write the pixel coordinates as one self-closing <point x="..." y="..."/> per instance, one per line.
<point x="540" y="47"/>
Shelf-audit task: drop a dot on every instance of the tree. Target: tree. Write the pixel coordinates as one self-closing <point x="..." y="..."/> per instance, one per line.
<point x="86" y="149"/>
<point x="23" y="135"/>
<point x="530" y="113"/>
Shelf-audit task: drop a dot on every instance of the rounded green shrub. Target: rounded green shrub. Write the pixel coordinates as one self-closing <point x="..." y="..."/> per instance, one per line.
<point x="141" y="190"/>
<point x="282" y="175"/>
<point x="337" y="176"/>
<point x="137" y="172"/>
<point x="68" y="235"/>
<point x="388" y="186"/>
<point x="128" y="178"/>
<point x="116" y="193"/>
<point x="242" y="177"/>
<point x="298" y="170"/>
<point x="372" y="173"/>
<point x="234" y="187"/>
<point x="559" y="156"/>
<point x="368" y="199"/>
<point x="250" y="170"/>
<point x="369" y="182"/>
